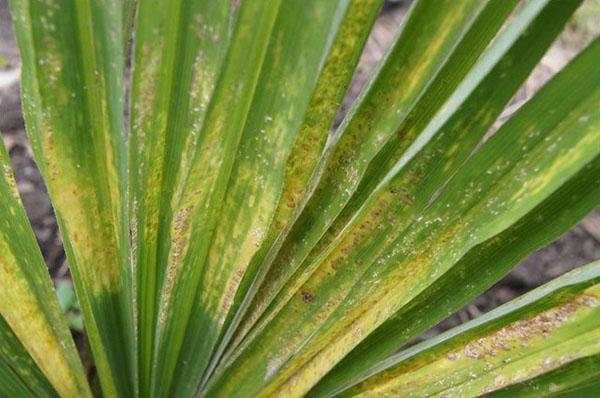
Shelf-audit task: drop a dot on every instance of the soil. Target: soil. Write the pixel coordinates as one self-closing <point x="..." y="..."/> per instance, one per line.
<point x="579" y="246"/>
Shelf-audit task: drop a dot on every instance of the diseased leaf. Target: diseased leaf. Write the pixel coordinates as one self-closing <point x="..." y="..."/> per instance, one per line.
<point x="195" y="205"/>
<point x="19" y="374"/>
<point x="72" y="61"/>
<point x="37" y="353"/>
<point x="305" y="162"/>
<point x="543" y="330"/>
<point x="475" y="272"/>
<point x="227" y="240"/>
<point x="257" y="171"/>
<point x="578" y="378"/>
<point x="386" y="255"/>
<point x="386" y="103"/>
<point x="177" y="62"/>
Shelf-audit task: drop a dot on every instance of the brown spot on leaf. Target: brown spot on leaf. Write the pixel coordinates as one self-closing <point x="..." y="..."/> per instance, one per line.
<point x="307" y="297"/>
<point x="4" y="265"/>
<point x="519" y="332"/>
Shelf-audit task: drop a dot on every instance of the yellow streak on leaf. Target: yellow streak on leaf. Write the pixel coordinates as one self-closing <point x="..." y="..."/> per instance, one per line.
<point x="479" y="356"/>
<point x="22" y="311"/>
<point x="77" y="204"/>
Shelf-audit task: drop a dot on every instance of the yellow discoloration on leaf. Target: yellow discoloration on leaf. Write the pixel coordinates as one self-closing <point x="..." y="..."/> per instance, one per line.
<point x="93" y="240"/>
<point x="72" y="69"/>
<point x="314" y="131"/>
<point x="23" y="313"/>
<point x="361" y="139"/>
<point x="142" y="108"/>
<point x="518" y="334"/>
<point x="393" y="289"/>
<point x="202" y="88"/>
<point x="179" y="245"/>
<point x="542" y="181"/>
<point x="299" y="380"/>
<point x="27" y="301"/>
<point x="305" y="162"/>
<point x="409" y="279"/>
<point x="340" y="264"/>
<point x="205" y="183"/>
<point x="257" y="186"/>
<point x="192" y="199"/>
<point x="176" y="69"/>
<point x="9" y="177"/>
<point x="480" y="363"/>
<point x="438" y="238"/>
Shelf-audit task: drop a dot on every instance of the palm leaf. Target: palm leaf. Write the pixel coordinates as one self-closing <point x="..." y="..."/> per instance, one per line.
<point x="37" y="354"/>
<point x="176" y="53"/>
<point x="454" y="58"/>
<point x="72" y="59"/>
<point x="541" y="331"/>
<point x="578" y="378"/>
<point x="19" y="374"/>
<point x="576" y="196"/>
<point x="378" y="252"/>
<point x="305" y="164"/>
<point x="229" y="240"/>
<point x="473" y="273"/>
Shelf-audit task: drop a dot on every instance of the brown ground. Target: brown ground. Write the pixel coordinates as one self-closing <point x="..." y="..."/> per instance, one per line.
<point x="578" y="246"/>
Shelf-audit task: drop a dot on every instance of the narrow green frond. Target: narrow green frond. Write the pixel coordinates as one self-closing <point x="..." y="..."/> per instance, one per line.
<point x="253" y="171"/>
<point x="478" y="270"/>
<point x="578" y="378"/>
<point x="19" y="374"/>
<point x="72" y="88"/>
<point x="177" y="62"/>
<point x="227" y="239"/>
<point x="394" y="247"/>
<point x="543" y="330"/>
<point x="37" y="354"/>
<point x="305" y="162"/>
<point x="385" y="104"/>
<point x="195" y="205"/>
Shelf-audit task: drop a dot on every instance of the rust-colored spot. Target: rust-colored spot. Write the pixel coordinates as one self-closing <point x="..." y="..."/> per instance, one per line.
<point x="408" y="199"/>
<point x="307" y="297"/>
<point x="519" y="332"/>
<point x="336" y="262"/>
<point x="179" y="240"/>
<point x="453" y="356"/>
<point x="4" y="266"/>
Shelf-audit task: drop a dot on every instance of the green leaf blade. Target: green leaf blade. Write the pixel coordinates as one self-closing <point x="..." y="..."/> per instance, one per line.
<point x="469" y="277"/>
<point x="191" y="213"/>
<point x="36" y="350"/>
<point x="578" y="378"/>
<point x="305" y="162"/>
<point x="19" y="374"/>
<point x="541" y="331"/>
<point x="366" y="129"/>
<point x="177" y="61"/>
<point x="257" y="175"/>
<point x="330" y="320"/>
<point x="72" y="82"/>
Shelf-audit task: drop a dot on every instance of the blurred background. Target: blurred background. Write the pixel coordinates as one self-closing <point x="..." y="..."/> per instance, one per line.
<point x="579" y="246"/>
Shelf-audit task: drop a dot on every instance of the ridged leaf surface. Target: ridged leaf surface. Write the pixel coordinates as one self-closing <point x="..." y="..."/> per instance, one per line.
<point x="73" y="62"/>
<point x="227" y="238"/>
<point x="37" y="354"/>
<point x="545" y="329"/>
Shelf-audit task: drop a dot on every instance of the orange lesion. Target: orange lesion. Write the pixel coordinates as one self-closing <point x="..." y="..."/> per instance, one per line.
<point x="4" y="265"/>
